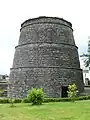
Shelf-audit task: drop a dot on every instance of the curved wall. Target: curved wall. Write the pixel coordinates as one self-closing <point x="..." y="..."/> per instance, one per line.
<point x="46" y="56"/>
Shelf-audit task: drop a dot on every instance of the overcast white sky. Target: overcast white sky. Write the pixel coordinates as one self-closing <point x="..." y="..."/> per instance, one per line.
<point x="14" y="12"/>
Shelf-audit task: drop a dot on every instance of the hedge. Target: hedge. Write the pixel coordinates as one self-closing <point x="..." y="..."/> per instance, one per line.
<point x="17" y="100"/>
<point x="25" y="100"/>
<point x="4" y="100"/>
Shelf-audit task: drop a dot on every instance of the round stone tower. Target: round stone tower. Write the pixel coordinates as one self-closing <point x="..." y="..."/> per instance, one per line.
<point x="46" y="57"/>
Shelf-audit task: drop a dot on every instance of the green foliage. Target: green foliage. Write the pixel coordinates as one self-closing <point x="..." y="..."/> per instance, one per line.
<point x="8" y="100"/>
<point x="86" y="57"/>
<point x="51" y="111"/>
<point x="4" y="100"/>
<point x="45" y="100"/>
<point x="72" y="91"/>
<point x="56" y="100"/>
<point x="25" y="100"/>
<point x="35" y="96"/>
<point x="18" y="100"/>
<point x="66" y="99"/>
<point x="12" y="101"/>
<point x="1" y="92"/>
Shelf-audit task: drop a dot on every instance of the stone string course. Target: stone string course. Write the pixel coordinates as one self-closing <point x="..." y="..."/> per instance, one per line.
<point x="47" y="57"/>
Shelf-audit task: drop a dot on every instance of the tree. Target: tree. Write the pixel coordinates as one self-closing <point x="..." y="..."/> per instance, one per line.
<point x="86" y="57"/>
<point x="35" y="96"/>
<point x="72" y="91"/>
<point x="3" y="77"/>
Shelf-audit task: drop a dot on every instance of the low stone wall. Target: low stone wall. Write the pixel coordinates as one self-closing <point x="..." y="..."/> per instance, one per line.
<point x="87" y="90"/>
<point x="4" y="87"/>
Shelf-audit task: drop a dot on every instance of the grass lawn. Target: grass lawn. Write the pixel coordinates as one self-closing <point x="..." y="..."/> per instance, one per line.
<point x="79" y="110"/>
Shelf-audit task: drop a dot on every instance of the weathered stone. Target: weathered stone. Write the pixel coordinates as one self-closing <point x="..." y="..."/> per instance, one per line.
<point x="47" y="57"/>
<point x="3" y="88"/>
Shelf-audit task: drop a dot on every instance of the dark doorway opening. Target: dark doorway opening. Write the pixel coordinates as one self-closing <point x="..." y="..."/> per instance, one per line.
<point x="64" y="91"/>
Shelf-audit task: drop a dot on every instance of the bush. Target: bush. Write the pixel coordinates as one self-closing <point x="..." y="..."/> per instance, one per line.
<point x="8" y="100"/>
<point x="88" y="96"/>
<point x="57" y="100"/>
<point x="35" y="96"/>
<point x="66" y="99"/>
<point x="72" y="91"/>
<point x="17" y="100"/>
<point x="45" y="100"/>
<point x="4" y="100"/>
<point x="26" y="100"/>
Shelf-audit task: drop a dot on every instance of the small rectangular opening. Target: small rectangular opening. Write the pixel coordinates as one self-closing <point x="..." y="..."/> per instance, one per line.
<point x="64" y="91"/>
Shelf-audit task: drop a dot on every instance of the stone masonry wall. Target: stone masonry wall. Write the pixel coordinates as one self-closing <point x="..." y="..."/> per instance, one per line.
<point x="46" y="56"/>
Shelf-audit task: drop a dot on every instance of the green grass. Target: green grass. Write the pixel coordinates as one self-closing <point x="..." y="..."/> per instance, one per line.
<point x="79" y="110"/>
